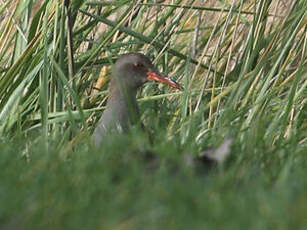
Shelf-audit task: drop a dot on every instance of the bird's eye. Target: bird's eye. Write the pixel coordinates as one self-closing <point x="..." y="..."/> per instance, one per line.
<point x="138" y="65"/>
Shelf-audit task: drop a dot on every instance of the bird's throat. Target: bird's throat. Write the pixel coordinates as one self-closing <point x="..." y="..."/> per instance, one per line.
<point x="122" y="104"/>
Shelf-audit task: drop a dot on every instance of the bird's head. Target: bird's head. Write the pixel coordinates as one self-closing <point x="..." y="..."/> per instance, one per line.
<point x="134" y="69"/>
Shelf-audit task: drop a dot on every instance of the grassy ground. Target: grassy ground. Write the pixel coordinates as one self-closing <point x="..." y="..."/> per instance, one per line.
<point x="115" y="189"/>
<point x="243" y="67"/>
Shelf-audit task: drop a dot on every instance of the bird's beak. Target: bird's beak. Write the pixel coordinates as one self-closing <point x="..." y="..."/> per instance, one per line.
<point x="156" y="76"/>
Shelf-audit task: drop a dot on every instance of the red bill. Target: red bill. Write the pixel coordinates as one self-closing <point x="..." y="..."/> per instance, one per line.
<point x="153" y="76"/>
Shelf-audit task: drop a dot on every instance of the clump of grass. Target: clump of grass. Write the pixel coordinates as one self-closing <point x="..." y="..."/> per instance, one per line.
<point x="243" y="67"/>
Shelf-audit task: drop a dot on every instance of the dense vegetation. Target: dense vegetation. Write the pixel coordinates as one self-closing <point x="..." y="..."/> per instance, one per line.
<point x="243" y="67"/>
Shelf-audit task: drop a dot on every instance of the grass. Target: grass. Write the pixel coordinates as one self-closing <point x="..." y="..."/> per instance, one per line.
<point x="243" y="67"/>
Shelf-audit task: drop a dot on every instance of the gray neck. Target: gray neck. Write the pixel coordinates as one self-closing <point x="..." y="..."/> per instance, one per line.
<point x="120" y="113"/>
<point x="123" y="101"/>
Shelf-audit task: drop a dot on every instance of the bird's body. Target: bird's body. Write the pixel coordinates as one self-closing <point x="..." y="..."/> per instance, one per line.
<point x="130" y="72"/>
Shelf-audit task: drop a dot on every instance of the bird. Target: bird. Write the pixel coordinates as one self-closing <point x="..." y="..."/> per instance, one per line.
<point x="130" y="72"/>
